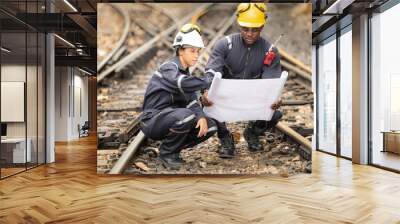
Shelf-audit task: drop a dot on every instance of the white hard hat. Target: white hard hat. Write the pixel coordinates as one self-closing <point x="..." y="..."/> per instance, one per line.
<point x="190" y="35"/>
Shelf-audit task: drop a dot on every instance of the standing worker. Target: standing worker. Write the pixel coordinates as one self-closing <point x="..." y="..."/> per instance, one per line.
<point x="245" y="55"/>
<point x="171" y="110"/>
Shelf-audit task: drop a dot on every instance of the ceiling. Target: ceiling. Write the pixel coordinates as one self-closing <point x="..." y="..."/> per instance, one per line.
<point x="72" y="20"/>
<point x="332" y="15"/>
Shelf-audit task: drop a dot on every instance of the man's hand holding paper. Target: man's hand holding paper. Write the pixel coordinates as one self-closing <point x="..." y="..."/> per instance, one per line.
<point x="243" y="100"/>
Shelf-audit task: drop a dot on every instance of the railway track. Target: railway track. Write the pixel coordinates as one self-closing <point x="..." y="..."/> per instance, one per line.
<point x="147" y="46"/>
<point x="120" y="96"/>
<point x="106" y="52"/>
<point x="142" y="23"/>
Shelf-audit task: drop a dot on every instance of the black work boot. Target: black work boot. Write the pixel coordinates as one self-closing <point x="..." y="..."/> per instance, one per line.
<point x="252" y="140"/>
<point x="172" y="161"/>
<point x="227" y="148"/>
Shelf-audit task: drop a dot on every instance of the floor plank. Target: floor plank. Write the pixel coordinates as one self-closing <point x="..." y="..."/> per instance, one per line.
<point x="387" y="159"/>
<point x="70" y="191"/>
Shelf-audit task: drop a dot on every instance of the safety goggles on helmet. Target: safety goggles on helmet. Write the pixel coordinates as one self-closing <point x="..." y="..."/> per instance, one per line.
<point x="187" y="28"/>
<point x="185" y="36"/>
<point x="243" y="7"/>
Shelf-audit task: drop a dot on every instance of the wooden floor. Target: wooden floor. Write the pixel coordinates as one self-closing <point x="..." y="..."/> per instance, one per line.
<point x="10" y="171"/>
<point x="387" y="159"/>
<point x="70" y="191"/>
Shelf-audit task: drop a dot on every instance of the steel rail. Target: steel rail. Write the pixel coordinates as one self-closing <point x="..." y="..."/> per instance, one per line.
<point x="121" y="40"/>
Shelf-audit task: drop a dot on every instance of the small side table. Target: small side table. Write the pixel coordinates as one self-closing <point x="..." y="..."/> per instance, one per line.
<point x="391" y="141"/>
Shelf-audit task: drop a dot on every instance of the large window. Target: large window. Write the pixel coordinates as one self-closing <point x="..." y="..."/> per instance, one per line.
<point x="385" y="88"/>
<point x="327" y="95"/>
<point x="334" y="50"/>
<point x="334" y="115"/>
<point x="14" y="153"/>
<point x="22" y="88"/>
<point x="345" y="92"/>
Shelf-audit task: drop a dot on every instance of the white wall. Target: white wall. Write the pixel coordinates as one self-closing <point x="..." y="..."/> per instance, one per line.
<point x="81" y="82"/>
<point x="61" y="103"/>
<point x="70" y="83"/>
<point x="13" y="72"/>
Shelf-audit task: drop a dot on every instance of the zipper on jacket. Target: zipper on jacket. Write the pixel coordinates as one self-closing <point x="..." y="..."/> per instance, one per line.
<point x="246" y="62"/>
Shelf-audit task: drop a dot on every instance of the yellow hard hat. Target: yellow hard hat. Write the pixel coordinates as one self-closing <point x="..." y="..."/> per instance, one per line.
<point x="251" y="14"/>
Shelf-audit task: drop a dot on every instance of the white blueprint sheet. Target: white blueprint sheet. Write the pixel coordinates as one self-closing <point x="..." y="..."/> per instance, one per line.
<point x="244" y="100"/>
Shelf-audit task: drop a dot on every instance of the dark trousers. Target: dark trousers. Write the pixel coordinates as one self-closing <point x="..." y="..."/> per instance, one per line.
<point x="176" y="129"/>
<point x="257" y="127"/>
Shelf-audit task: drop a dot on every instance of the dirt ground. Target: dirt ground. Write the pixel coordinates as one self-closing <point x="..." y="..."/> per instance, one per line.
<point x="278" y="157"/>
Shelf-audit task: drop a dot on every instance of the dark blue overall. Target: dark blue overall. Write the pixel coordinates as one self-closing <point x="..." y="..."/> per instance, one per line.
<point x="171" y="108"/>
<point x="236" y="60"/>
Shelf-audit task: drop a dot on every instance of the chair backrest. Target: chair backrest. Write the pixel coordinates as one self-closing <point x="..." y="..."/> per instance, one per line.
<point x="86" y="125"/>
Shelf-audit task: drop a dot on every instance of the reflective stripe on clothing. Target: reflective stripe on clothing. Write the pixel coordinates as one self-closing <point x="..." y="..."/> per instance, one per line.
<point x="187" y="119"/>
<point x="229" y="42"/>
<point x="157" y="73"/>
<point x="180" y="83"/>
<point x="213" y="128"/>
<point x="191" y="103"/>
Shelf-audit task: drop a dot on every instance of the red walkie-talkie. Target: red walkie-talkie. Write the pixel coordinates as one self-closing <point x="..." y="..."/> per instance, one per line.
<point x="270" y="55"/>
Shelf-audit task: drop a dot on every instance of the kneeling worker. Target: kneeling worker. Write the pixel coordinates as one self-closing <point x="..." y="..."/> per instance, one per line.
<point x="171" y="109"/>
<point x="243" y="55"/>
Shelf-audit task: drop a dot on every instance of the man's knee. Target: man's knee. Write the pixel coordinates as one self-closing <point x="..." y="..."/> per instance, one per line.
<point x="212" y="126"/>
